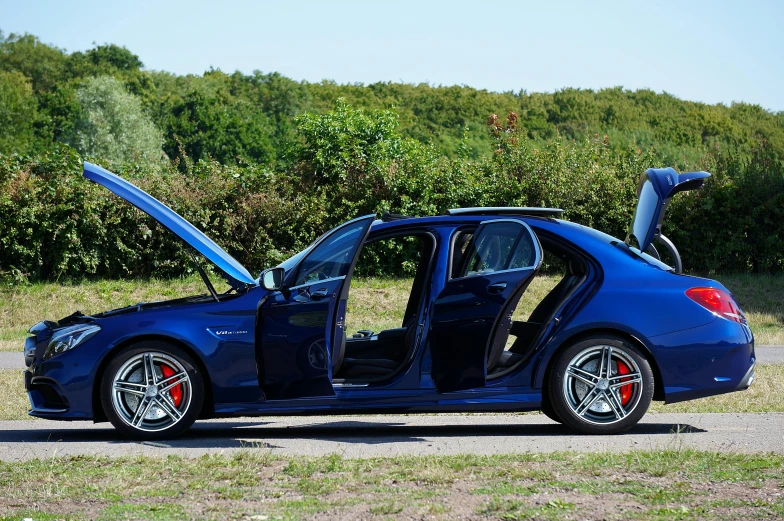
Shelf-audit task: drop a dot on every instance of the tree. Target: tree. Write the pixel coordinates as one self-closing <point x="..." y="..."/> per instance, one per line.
<point x="220" y="127"/>
<point x="104" y="59"/>
<point x="348" y="142"/>
<point x="17" y="112"/>
<point x="113" y="125"/>
<point x="43" y="64"/>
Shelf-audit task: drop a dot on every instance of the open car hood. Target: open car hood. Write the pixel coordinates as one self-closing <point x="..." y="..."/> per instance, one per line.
<point x="656" y="188"/>
<point x="234" y="272"/>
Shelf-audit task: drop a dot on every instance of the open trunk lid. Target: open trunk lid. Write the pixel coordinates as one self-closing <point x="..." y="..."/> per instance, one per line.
<point x="656" y="188"/>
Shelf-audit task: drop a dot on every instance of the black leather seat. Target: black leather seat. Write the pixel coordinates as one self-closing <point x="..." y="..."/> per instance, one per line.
<point x="528" y="332"/>
<point x="379" y="355"/>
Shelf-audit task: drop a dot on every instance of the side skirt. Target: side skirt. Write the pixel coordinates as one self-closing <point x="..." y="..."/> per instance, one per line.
<point x="528" y="400"/>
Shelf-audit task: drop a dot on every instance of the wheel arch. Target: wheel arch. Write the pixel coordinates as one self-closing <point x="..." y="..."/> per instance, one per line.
<point x="542" y="374"/>
<point x="208" y="408"/>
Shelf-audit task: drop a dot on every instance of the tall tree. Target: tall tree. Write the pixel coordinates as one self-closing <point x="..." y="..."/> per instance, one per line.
<point x="113" y="125"/>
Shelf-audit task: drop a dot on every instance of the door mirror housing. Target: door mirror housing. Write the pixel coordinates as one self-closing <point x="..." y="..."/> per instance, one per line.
<point x="272" y="278"/>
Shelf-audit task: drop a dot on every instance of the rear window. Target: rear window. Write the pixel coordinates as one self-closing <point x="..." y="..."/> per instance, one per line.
<point x="647" y="204"/>
<point x="653" y="261"/>
<point x="629" y="250"/>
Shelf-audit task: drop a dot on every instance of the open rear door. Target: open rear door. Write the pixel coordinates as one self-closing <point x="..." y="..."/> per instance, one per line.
<point x="500" y="262"/>
<point x="301" y="325"/>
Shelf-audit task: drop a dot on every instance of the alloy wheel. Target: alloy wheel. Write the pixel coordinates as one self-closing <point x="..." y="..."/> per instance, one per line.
<point x="602" y="384"/>
<point x="151" y="391"/>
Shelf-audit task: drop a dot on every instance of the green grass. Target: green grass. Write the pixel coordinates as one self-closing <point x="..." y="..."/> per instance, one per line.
<point x="762" y="299"/>
<point x="678" y="484"/>
<point x="13" y="398"/>
<point x="374" y="303"/>
<point x="21" y="306"/>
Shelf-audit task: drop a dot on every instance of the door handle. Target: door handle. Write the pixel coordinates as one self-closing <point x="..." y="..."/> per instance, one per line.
<point x="319" y="294"/>
<point x="498" y="287"/>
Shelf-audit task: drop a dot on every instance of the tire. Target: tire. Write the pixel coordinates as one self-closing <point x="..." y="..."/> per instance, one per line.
<point x="547" y="409"/>
<point x="170" y="401"/>
<point x="591" y="401"/>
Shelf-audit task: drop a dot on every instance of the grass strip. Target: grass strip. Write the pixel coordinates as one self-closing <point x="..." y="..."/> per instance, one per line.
<point x="674" y="484"/>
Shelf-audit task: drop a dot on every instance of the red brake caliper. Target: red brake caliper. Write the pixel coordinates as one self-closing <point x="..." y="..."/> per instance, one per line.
<point x="626" y="390"/>
<point x="176" y="391"/>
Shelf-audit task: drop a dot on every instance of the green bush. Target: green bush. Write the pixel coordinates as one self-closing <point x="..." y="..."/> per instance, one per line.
<point x="349" y="162"/>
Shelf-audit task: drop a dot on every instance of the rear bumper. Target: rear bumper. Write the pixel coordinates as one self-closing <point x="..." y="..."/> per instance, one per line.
<point x="704" y="361"/>
<point x="747" y="380"/>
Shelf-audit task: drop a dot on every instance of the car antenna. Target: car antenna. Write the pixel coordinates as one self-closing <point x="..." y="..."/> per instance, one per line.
<point x="205" y="278"/>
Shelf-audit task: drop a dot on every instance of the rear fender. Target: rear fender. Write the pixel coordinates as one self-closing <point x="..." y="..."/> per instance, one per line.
<point x="571" y="337"/>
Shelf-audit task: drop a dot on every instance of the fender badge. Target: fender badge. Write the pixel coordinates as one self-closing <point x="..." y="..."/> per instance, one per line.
<point x="223" y="332"/>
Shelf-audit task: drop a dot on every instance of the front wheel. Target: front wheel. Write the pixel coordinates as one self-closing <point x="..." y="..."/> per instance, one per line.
<point x="601" y="386"/>
<point x="152" y="390"/>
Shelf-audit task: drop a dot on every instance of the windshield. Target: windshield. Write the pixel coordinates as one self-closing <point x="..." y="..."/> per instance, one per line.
<point x="291" y="262"/>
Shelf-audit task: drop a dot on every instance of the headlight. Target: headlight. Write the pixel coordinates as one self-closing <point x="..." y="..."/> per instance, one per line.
<point x="70" y="337"/>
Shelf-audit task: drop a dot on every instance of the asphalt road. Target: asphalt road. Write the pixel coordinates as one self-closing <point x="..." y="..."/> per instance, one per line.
<point x="765" y="355"/>
<point x="376" y="435"/>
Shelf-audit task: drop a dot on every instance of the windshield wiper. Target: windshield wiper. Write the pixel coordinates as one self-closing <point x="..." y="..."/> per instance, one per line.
<point x="205" y="278"/>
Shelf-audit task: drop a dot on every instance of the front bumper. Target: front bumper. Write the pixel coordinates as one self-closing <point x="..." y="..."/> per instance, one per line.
<point x="61" y="387"/>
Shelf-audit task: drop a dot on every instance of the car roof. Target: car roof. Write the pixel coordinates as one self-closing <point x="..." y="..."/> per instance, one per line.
<point x="444" y="220"/>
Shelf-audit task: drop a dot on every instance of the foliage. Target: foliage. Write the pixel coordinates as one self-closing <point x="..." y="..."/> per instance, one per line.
<point x="352" y="162"/>
<point x="103" y="58"/>
<point x="17" y="112"/>
<point x="237" y="118"/>
<point x="113" y="125"/>
<point x="264" y="163"/>
<point x="43" y="64"/>
<point x="207" y="127"/>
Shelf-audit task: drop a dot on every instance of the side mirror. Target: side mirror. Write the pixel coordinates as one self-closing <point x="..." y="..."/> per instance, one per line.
<point x="272" y="278"/>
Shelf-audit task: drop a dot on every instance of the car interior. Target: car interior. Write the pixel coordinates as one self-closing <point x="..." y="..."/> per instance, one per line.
<point x="372" y="356"/>
<point x="515" y="341"/>
<point x="368" y="356"/>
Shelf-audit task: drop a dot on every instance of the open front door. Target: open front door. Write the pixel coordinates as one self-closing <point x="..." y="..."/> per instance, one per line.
<point x="498" y="265"/>
<point x="299" y="324"/>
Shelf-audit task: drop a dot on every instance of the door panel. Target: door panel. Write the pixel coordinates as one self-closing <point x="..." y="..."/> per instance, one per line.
<point x="298" y="324"/>
<point x="501" y="260"/>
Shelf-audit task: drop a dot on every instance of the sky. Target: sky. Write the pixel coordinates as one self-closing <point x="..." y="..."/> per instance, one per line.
<point x="711" y="51"/>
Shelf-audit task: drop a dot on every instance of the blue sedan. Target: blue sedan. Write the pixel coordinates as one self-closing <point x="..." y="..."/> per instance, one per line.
<point x="621" y="328"/>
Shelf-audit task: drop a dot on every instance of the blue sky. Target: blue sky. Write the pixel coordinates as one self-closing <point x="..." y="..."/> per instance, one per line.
<point x="710" y="51"/>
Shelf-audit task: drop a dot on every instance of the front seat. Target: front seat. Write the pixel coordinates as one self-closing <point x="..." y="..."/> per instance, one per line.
<point x="401" y="343"/>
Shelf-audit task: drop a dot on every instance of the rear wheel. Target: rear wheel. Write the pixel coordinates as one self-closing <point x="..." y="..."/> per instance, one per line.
<point x="601" y="386"/>
<point x="152" y="390"/>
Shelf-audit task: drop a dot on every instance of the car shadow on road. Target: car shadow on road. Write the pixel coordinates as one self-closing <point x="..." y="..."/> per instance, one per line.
<point x="233" y="434"/>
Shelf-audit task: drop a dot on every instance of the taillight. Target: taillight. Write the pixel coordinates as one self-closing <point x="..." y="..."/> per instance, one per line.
<point x="717" y="301"/>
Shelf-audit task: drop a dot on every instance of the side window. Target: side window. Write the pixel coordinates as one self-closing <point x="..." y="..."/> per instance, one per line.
<point x="497" y="246"/>
<point x="459" y="250"/>
<point x="333" y="257"/>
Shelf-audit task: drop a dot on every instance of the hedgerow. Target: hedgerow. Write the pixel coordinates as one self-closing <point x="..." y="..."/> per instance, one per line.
<point x="55" y="224"/>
